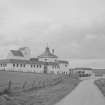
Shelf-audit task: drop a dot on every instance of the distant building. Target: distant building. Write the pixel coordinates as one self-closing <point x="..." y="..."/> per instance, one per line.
<point x="99" y="72"/>
<point x="47" y="62"/>
<point x="83" y="71"/>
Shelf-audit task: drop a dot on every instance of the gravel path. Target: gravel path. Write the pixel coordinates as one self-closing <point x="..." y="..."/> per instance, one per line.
<point x="85" y="94"/>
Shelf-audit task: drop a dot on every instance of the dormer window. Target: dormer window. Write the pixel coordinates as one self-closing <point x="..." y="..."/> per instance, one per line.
<point x="45" y="59"/>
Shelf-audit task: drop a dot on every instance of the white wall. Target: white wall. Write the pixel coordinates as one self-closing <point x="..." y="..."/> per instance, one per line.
<point x="27" y="68"/>
<point x="36" y="69"/>
<point x="61" y="69"/>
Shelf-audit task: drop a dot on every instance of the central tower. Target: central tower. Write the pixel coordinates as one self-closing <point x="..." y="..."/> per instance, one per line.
<point x="47" y="56"/>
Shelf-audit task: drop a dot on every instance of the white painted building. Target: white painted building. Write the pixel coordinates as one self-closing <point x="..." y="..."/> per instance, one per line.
<point x="47" y="62"/>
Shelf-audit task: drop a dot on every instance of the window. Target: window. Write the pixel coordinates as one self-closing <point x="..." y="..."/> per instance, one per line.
<point x="1" y="65"/>
<point x="34" y="66"/>
<point x="53" y="67"/>
<point x="17" y="65"/>
<point x="40" y="66"/>
<point x="24" y="65"/>
<point x="31" y="66"/>
<point x="5" y="65"/>
<point x="45" y="59"/>
<point x="37" y="66"/>
<point x="65" y="65"/>
<point x="13" y="65"/>
<point x="20" y="65"/>
<point x="58" y="66"/>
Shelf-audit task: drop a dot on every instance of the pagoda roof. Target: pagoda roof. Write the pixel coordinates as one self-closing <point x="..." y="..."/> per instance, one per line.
<point x="47" y="54"/>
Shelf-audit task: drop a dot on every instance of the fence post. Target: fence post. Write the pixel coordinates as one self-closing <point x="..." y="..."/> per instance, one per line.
<point x="33" y="84"/>
<point x="24" y="85"/>
<point x="9" y="85"/>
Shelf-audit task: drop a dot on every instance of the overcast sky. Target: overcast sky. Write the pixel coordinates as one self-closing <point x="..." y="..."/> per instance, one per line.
<point x="74" y="28"/>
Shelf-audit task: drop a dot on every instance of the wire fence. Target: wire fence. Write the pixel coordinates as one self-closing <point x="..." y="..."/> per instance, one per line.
<point x="10" y="86"/>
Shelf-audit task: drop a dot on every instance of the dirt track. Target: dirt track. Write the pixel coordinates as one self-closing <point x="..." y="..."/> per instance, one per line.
<point x="85" y="94"/>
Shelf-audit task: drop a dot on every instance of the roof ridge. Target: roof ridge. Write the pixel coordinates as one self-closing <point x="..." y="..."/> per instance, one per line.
<point x="17" y="53"/>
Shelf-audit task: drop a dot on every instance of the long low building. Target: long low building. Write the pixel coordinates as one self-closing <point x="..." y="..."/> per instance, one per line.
<point x="47" y="62"/>
<point x="83" y="71"/>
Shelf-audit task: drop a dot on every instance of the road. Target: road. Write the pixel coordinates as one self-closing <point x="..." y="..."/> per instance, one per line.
<point x="86" y="93"/>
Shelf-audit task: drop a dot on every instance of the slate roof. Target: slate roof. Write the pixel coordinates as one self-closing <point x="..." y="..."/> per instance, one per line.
<point x="62" y="61"/>
<point x="82" y="68"/>
<point x="17" y="53"/>
<point x="22" y="48"/>
<point x="47" y="54"/>
<point x="33" y="59"/>
<point x="17" y="61"/>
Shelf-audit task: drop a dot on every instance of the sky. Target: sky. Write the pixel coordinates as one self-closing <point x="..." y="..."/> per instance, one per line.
<point x="74" y="28"/>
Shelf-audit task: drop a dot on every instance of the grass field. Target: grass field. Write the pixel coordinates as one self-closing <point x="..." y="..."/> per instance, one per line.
<point x="101" y="85"/>
<point x="34" y="89"/>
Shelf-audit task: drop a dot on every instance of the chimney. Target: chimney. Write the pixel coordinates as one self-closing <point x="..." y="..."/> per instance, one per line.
<point x="52" y="51"/>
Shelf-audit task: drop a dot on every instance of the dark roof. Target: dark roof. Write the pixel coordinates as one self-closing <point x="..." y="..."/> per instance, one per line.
<point x="4" y="61"/>
<point x="33" y="59"/>
<point x="17" y="61"/>
<point x="47" y="54"/>
<point x="82" y="68"/>
<point x="17" y="53"/>
<point x="61" y="61"/>
<point x="22" y="48"/>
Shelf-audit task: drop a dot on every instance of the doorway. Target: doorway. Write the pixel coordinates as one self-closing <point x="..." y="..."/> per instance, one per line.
<point x="45" y="69"/>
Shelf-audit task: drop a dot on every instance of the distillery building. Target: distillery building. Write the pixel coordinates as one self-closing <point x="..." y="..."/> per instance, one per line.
<point x="20" y="61"/>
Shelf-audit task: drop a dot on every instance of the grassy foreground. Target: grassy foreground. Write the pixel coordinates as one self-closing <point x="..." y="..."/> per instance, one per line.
<point x="34" y="89"/>
<point x="101" y="85"/>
